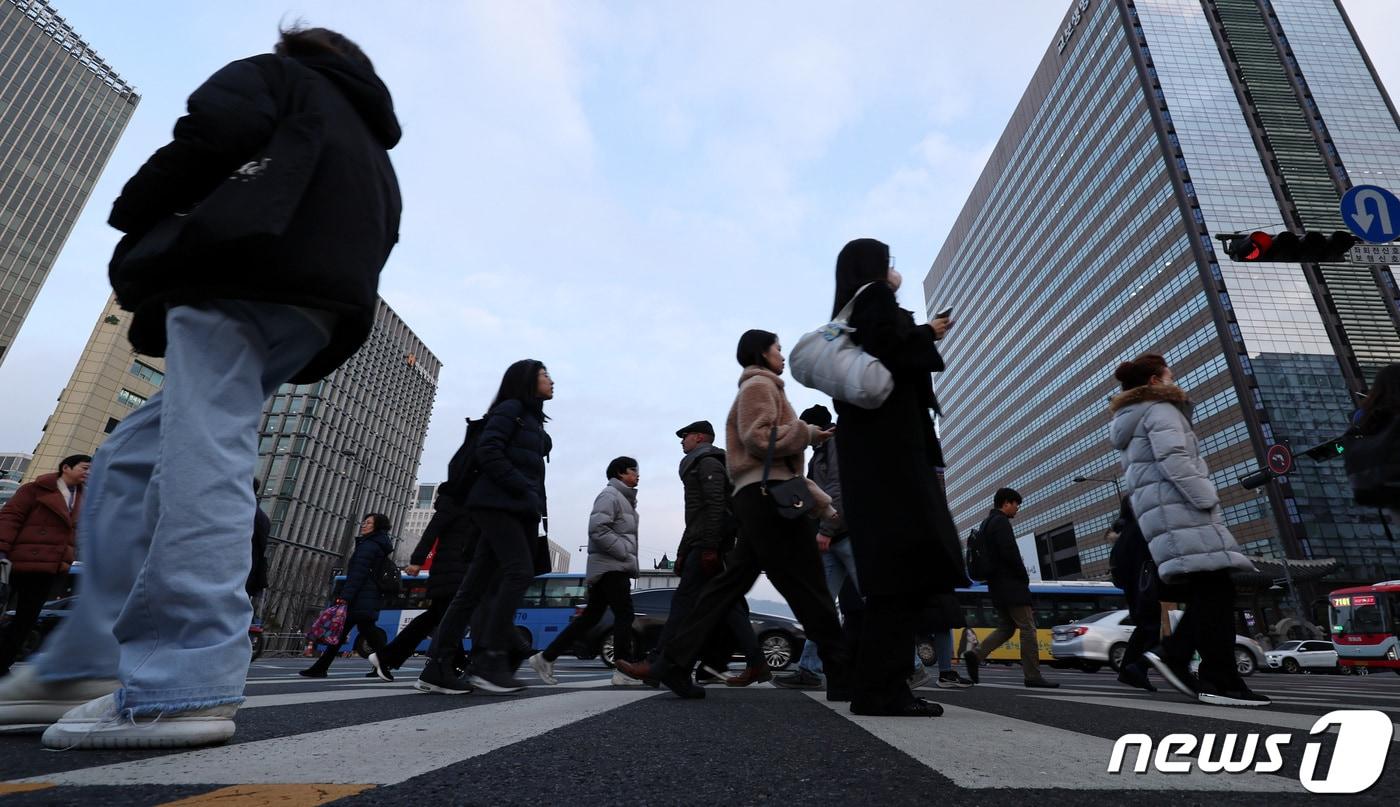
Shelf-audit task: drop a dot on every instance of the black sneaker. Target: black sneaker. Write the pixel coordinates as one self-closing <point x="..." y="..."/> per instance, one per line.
<point x="1177" y="674"/>
<point x="491" y="674"/>
<point x="679" y="681"/>
<point x="970" y="659"/>
<point x="951" y="680"/>
<point x="1135" y="676"/>
<point x="381" y="670"/>
<point x="442" y="679"/>
<point x="1041" y="683"/>
<point x="802" y="679"/>
<point x="1239" y="695"/>
<point x="312" y="672"/>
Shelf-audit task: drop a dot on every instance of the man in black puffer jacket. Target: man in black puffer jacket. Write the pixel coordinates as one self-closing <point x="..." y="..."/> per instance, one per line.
<point x="254" y="244"/>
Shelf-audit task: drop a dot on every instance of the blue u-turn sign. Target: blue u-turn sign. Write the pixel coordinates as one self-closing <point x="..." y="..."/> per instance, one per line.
<point x="1372" y="212"/>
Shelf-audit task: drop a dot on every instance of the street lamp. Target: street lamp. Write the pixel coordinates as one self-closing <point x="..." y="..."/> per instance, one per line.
<point x="349" y="540"/>
<point x="1113" y="479"/>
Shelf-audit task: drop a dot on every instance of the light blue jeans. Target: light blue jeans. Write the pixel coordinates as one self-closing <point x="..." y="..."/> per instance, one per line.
<point x="839" y="561"/>
<point x="167" y="514"/>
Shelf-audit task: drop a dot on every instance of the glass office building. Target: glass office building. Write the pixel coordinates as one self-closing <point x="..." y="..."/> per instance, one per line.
<point x="62" y="110"/>
<point x="1150" y="127"/>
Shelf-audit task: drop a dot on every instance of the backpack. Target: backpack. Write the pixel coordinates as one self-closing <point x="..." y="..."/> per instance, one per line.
<point x="463" y="469"/>
<point x="388" y="579"/>
<point x="978" y="567"/>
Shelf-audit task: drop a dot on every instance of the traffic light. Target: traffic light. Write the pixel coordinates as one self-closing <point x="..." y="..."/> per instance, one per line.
<point x="1258" y="479"/>
<point x="1326" y="451"/>
<point x="1287" y="247"/>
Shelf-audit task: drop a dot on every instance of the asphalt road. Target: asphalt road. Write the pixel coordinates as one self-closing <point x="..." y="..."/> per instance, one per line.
<point x="349" y="740"/>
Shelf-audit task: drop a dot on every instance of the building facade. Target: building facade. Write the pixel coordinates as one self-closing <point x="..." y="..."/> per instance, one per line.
<point x="334" y="450"/>
<point x="62" y="110"/>
<point x="109" y="381"/>
<point x="1150" y="127"/>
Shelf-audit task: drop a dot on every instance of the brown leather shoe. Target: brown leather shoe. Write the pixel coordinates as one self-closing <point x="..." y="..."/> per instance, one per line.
<point x="750" y="675"/>
<point x="641" y="670"/>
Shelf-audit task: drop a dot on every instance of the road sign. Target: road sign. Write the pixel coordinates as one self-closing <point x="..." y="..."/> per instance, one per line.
<point x="1372" y="212"/>
<point x="1368" y="254"/>
<point x="1279" y="459"/>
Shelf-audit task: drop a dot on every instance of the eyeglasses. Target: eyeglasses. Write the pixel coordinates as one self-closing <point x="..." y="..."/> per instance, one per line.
<point x="891" y="262"/>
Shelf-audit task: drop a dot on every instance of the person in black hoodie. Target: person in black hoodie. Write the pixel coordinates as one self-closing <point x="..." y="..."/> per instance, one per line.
<point x="360" y="594"/>
<point x="1010" y="587"/>
<point x="245" y="273"/>
<point x="450" y="537"/>
<point x="505" y="502"/>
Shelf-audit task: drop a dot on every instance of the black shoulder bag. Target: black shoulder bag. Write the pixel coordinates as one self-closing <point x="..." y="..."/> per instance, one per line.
<point x="792" y="497"/>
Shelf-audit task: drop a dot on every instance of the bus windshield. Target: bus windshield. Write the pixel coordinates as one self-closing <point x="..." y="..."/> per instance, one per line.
<point x="1358" y="613"/>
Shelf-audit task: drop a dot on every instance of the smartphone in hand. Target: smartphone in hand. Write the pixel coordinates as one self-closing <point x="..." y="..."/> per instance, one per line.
<point x="946" y="313"/>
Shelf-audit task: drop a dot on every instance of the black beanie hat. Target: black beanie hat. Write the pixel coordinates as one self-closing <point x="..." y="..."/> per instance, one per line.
<point x="752" y="345"/>
<point x="816" y="415"/>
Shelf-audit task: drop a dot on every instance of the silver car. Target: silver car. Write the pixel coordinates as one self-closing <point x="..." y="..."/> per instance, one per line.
<point x="1303" y="656"/>
<point x="1102" y="639"/>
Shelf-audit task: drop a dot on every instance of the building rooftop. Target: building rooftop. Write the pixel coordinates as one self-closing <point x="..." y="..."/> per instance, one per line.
<point x="58" y="28"/>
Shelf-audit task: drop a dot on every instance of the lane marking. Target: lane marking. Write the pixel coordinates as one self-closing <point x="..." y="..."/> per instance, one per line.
<point x="26" y="787"/>
<point x="270" y="796"/>
<point x="983" y="750"/>
<point x="385" y="752"/>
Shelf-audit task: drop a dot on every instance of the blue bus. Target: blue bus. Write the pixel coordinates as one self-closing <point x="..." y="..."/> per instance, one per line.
<point x="549" y="604"/>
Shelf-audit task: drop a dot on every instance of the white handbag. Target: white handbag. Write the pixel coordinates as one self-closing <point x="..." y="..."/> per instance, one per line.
<point x="827" y="360"/>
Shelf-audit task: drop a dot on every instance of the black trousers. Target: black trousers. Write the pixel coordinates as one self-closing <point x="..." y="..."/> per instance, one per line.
<point x="1146" y="611"/>
<point x="500" y="571"/>
<point x="396" y="652"/>
<point x="612" y="591"/>
<point x="887" y="632"/>
<point x="734" y="629"/>
<point x="30" y="591"/>
<point x="373" y="637"/>
<point x="786" y="550"/>
<point x="1208" y="628"/>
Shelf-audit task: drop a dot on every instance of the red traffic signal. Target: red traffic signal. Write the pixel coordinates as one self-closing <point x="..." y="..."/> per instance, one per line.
<point x="1287" y="247"/>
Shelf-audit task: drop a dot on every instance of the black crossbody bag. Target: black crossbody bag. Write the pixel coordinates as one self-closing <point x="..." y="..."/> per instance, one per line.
<point x="792" y="497"/>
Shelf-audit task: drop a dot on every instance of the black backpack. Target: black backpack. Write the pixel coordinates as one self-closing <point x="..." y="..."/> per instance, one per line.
<point x="977" y="566"/>
<point x="463" y="469"/>
<point x="388" y="579"/>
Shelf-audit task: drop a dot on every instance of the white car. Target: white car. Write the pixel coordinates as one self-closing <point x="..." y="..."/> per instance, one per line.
<point x="1102" y="638"/>
<point x="1303" y="656"/>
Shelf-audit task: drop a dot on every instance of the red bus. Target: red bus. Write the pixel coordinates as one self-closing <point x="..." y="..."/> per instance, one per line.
<point x="1366" y="625"/>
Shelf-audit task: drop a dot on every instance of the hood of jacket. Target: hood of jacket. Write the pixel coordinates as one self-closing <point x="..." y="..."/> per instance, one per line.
<point x="381" y="538"/>
<point x="755" y="372"/>
<point x="700" y="452"/>
<point x="362" y="87"/>
<point x="1128" y="408"/>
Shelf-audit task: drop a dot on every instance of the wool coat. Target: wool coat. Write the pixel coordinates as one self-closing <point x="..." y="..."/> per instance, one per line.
<point x="361" y="590"/>
<point x="37" y="529"/>
<point x="1177" y="505"/>
<point x="1007" y="579"/>
<point x="332" y="251"/>
<point x="904" y="538"/>
<point x="451" y="536"/>
<point x="612" y="532"/>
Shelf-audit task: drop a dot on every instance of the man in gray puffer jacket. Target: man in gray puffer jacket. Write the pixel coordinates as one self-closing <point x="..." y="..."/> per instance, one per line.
<point x="1178" y="509"/>
<point x="612" y="565"/>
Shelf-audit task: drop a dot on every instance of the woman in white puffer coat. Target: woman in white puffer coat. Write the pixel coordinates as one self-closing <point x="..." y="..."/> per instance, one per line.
<point x="1178" y="509"/>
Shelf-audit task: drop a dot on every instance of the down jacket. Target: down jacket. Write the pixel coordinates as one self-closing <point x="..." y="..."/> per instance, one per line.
<point x="708" y="523"/>
<point x="511" y="456"/>
<point x="1177" y="505"/>
<point x="361" y="590"/>
<point x="37" y="529"/>
<point x="612" y="531"/>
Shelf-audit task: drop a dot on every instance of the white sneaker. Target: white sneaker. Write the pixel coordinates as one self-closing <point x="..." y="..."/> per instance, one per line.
<point x="26" y="699"/>
<point x="100" y="724"/>
<point x="622" y="679"/>
<point x="544" y="668"/>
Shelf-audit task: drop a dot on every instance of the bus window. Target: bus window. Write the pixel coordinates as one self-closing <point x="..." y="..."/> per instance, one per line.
<point x="565" y="592"/>
<point x="1358" y="613"/>
<point x="533" y="595"/>
<point x="1072" y="610"/>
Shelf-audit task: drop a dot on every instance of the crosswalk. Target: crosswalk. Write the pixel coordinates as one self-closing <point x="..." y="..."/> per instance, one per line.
<point x="313" y="741"/>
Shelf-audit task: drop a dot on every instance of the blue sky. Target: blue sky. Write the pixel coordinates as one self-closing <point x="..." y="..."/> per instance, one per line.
<point x="617" y="189"/>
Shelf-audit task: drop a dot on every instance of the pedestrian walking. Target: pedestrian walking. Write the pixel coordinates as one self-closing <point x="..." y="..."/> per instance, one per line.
<point x="766" y="445"/>
<point x="374" y="550"/>
<point x="449" y="537"/>
<point x="1178" y="510"/>
<point x="708" y="539"/>
<point x="1131" y="567"/>
<point x="38" y="526"/>
<point x="1010" y="587"/>
<point x="941" y="618"/>
<point x="612" y="566"/>
<point x="905" y="544"/>
<point x="254" y="245"/>
<point x="505" y="503"/>
<point x="1373" y="446"/>
<point x="262" y="533"/>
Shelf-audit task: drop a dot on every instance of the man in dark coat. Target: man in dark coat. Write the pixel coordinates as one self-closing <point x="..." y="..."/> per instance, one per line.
<point x="360" y="594"/>
<point x="271" y="276"/>
<point x="1010" y="587"/>
<point x="37" y="527"/>
<point x="262" y="533"/>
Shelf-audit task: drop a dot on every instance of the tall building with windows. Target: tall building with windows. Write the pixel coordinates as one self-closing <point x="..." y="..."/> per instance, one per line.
<point x="62" y="110"/>
<point x="1150" y="127"/>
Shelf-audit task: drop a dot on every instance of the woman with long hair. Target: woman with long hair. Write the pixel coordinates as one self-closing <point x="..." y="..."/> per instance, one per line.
<point x="766" y="443"/>
<point x="1178" y="511"/>
<point x="906" y="545"/>
<point x="505" y="502"/>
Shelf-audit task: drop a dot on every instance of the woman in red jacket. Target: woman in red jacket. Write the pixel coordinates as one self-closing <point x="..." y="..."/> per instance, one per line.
<point x="37" y="529"/>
